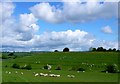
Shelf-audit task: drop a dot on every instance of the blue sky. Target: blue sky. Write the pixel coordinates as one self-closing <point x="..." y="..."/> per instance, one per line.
<point x="56" y="18"/>
<point x="93" y="27"/>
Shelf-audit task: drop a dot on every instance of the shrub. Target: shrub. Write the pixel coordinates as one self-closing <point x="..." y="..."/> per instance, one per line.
<point x="56" y="51"/>
<point x="58" y="68"/>
<point x="80" y="69"/>
<point x="66" y="50"/>
<point x="28" y="67"/>
<point x="16" y="66"/>
<point x="47" y="67"/>
<point x="112" y="68"/>
<point x="10" y="54"/>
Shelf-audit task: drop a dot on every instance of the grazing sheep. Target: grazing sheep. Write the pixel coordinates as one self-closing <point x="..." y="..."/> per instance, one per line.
<point x="45" y="74"/>
<point x="70" y="76"/>
<point x="49" y="66"/>
<point x="78" y="71"/>
<point x="36" y="74"/>
<point x="57" y="75"/>
<point x="83" y="71"/>
<point x="21" y="73"/>
<point x="9" y="72"/>
<point x="51" y="75"/>
<point x="41" y="74"/>
<point x="16" y="72"/>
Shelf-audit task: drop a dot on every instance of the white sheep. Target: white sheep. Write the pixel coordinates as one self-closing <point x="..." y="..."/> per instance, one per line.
<point x="21" y="73"/>
<point x="16" y="72"/>
<point x="51" y="75"/>
<point x="36" y="74"/>
<point x="83" y="71"/>
<point x="49" y="67"/>
<point x="72" y="76"/>
<point x="57" y="75"/>
<point x="45" y="74"/>
<point x="41" y="74"/>
<point x="9" y="72"/>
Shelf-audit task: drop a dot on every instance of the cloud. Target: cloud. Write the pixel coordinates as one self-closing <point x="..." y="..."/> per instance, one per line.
<point x="27" y="26"/>
<point x="20" y="34"/>
<point x="47" y="12"/>
<point x="107" y="29"/>
<point x="6" y="10"/>
<point x="75" y="12"/>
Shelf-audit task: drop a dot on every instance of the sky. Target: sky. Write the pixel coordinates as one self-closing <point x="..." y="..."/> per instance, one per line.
<point x="49" y="26"/>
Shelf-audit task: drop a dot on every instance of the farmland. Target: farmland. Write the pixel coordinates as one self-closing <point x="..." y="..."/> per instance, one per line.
<point x="92" y="62"/>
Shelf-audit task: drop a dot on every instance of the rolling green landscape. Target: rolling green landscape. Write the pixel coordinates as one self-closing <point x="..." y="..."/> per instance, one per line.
<point x="93" y="63"/>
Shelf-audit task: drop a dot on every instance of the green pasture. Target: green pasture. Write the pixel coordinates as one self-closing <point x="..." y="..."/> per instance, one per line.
<point x="66" y="60"/>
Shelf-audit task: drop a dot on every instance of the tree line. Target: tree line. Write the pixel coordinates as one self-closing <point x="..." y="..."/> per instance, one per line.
<point x="104" y="50"/>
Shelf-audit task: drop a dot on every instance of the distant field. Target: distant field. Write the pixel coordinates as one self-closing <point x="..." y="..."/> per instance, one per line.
<point x="67" y="61"/>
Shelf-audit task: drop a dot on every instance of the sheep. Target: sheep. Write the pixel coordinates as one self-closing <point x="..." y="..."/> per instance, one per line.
<point x="83" y="71"/>
<point x="45" y="74"/>
<point x="57" y="75"/>
<point x="41" y="74"/>
<point x="36" y="74"/>
<point x="9" y="72"/>
<point x="21" y="73"/>
<point x="16" y="72"/>
<point x="51" y="75"/>
<point x="70" y="76"/>
<point x="49" y="67"/>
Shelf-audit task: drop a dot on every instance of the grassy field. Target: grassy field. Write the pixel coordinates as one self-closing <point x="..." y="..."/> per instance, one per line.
<point x="66" y="61"/>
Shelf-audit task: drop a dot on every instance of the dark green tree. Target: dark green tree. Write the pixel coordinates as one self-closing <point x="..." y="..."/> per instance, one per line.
<point x="66" y="49"/>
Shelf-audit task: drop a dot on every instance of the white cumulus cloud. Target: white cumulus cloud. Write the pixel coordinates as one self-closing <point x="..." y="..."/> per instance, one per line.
<point x="75" y="11"/>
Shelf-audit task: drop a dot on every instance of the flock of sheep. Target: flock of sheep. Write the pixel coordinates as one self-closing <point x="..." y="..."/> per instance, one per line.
<point x="45" y="74"/>
<point x="40" y="74"/>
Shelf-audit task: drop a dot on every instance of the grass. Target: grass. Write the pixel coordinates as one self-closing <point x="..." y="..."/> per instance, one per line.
<point x="67" y="61"/>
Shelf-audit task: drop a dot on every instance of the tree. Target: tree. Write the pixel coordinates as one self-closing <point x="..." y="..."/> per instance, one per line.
<point x="56" y="51"/>
<point x="114" y="49"/>
<point x="100" y="49"/>
<point x="66" y="49"/>
<point x="10" y="54"/>
<point x="94" y="49"/>
<point x="109" y="49"/>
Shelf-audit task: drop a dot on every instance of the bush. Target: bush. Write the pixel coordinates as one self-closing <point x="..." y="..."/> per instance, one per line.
<point x="58" y="68"/>
<point x="47" y="67"/>
<point x="77" y="68"/>
<point x="16" y="66"/>
<point x="28" y="67"/>
<point x="112" y="68"/>
<point x="56" y="51"/>
<point x="80" y="69"/>
<point x="66" y="50"/>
